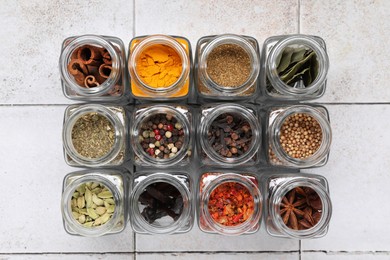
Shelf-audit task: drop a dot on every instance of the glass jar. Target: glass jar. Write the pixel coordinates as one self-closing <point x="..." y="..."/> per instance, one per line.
<point x="93" y="69"/>
<point x="241" y="130"/>
<point x="309" y="194"/>
<point x="298" y="136"/>
<point x="161" y="135"/>
<point x="94" y="135"/>
<point x="161" y="203"/>
<point x="218" y="207"/>
<point x="167" y="49"/>
<point x="103" y="211"/>
<point x="220" y="45"/>
<point x="295" y="67"/>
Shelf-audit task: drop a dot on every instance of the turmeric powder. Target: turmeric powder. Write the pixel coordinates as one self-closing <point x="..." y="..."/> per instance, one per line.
<point x="159" y="66"/>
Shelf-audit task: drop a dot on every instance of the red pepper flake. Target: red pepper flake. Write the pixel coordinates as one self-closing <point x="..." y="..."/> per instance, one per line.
<point x="230" y="204"/>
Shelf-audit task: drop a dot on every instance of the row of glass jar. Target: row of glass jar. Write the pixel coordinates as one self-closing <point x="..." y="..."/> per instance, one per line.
<point x="226" y="135"/>
<point x="293" y="205"/>
<point x="289" y="67"/>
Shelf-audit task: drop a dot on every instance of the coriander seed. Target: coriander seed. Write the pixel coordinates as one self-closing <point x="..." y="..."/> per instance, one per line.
<point x="300" y="135"/>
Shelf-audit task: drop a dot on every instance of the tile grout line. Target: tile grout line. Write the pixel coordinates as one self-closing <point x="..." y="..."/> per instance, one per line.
<point x="300" y="250"/>
<point x="299" y="16"/>
<point x="134" y="1"/>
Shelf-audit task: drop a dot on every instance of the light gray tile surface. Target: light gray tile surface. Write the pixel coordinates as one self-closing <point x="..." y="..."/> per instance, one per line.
<point x="32" y="165"/>
<point x="359" y="180"/>
<point x="196" y="240"/>
<point x="357" y="36"/>
<point x="194" y="19"/>
<point x="344" y="256"/>
<point x="124" y="256"/>
<point x="31" y="173"/>
<point x="225" y="256"/>
<point x="31" y="36"/>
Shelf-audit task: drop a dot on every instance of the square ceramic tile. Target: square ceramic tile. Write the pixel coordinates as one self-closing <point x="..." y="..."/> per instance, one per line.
<point x="32" y="171"/>
<point x="194" y="19"/>
<point x="344" y="256"/>
<point x="356" y="33"/>
<point x="359" y="180"/>
<point x="124" y="256"/>
<point x="32" y="35"/>
<point x="225" y="256"/>
<point x="197" y="241"/>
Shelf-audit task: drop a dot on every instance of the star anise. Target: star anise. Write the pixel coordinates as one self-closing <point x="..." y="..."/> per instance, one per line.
<point x="301" y="208"/>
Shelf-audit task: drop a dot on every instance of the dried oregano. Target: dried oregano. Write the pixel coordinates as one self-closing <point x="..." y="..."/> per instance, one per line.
<point x="93" y="135"/>
<point x="92" y="204"/>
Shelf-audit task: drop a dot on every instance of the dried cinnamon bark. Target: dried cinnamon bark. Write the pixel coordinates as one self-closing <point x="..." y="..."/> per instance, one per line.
<point x="85" y="63"/>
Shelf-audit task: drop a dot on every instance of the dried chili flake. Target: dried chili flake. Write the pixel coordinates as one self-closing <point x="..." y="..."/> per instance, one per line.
<point x="230" y="204"/>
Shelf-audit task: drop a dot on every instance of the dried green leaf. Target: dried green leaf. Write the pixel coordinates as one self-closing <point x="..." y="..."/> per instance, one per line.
<point x="285" y="59"/>
<point x="295" y="69"/>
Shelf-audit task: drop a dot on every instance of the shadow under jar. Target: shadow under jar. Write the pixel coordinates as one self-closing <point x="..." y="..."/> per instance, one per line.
<point x="93" y="203"/>
<point x="295" y="67"/>
<point x="94" y="135"/>
<point x="298" y="206"/>
<point x="161" y="135"/>
<point x="229" y="203"/>
<point x="228" y="135"/>
<point x="93" y="69"/>
<point x="227" y="67"/>
<point x="159" y="67"/>
<point x="298" y="136"/>
<point x="161" y="203"/>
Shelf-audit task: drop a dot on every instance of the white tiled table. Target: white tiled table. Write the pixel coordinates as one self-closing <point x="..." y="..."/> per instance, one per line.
<point x="32" y="106"/>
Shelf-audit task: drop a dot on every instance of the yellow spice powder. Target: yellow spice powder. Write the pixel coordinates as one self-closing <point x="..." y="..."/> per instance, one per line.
<point x="159" y="66"/>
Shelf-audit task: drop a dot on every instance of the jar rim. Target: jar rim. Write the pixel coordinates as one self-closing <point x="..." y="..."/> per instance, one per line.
<point x="243" y="43"/>
<point x="234" y="109"/>
<point x="95" y="40"/>
<point x="67" y="135"/>
<point x="159" y="39"/>
<point x="276" y="199"/>
<point x="243" y="180"/>
<point x="277" y="50"/>
<point x="320" y="154"/>
<point x="67" y="210"/>
<point x="173" y="180"/>
<point x="145" y="114"/>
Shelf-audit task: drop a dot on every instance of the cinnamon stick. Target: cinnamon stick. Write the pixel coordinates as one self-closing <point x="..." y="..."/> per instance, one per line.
<point x="90" y="82"/>
<point x="90" y="55"/>
<point x="105" y="70"/>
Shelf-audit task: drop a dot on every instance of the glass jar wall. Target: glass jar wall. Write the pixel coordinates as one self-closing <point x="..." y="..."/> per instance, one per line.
<point x="92" y="68"/>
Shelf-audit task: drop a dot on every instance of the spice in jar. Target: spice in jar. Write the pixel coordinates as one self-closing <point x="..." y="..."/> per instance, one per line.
<point x="90" y="66"/>
<point x="230" y="204"/>
<point x="300" y="135"/>
<point x="161" y="199"/>
<point x="229" y="65"/>
<point x="230" y="135"/>
<point x="301" y="208"/>
<point x="159" y="66"/>
<point x="92" y="204"/>
<point x="297" y="67"/>
<point x="162" y="136"/>
<point x="93" y="135"/>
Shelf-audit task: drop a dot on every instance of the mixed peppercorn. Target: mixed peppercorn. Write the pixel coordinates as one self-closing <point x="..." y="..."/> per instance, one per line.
<point x="162" y="136"/>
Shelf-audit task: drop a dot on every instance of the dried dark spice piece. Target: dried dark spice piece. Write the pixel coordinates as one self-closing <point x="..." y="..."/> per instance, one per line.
<point x="161" y="199"/>
<point x="230" y="135"/>
<point x="301" y="208"/>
